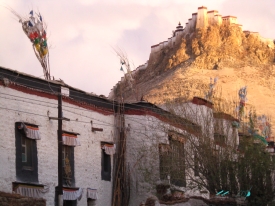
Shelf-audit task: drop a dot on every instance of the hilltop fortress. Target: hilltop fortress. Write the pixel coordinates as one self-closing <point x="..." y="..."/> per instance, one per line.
<point x="208" y="41"/>
<point x="203" y="19"/>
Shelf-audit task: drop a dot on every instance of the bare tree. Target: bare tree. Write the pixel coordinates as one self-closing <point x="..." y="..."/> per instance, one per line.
<point x="200" y="150"/>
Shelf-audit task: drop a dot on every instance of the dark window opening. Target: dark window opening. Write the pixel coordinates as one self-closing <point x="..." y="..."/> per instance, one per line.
<point x="219" y="139"/>
<point x="91" y="202"/>
<point x="177" y="163"/>
<point x="172" y="161"/>
<point x="68" y="166"/>
<point x="69" y="202"/>
<point x="26" y="156"/>
<point x="105" y="166"/>
<point x="106" y="162"/>
<point x="164" y="161"/>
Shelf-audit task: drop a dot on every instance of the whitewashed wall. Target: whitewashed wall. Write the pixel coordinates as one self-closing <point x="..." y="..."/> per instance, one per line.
<point x="87" y="157"/>
<point x="225" y="128"/>
<point x="143" y="138"/>
<point x="202" y="18"/>
<point x="211" y="17"/>
<point x="198" y="114"/>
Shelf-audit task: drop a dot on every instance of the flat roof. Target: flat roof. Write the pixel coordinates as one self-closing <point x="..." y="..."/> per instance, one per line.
<point x="202" y="7"/>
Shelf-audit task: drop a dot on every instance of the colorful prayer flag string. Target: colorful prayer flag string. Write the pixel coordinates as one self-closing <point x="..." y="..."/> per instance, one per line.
<point x="35" y="29"/>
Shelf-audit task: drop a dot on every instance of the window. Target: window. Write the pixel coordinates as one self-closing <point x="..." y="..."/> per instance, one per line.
<point x="177" y="175"/>
<point x="70" y="140"/>
<point x="105" y="166"/>
<point x="220" y="139"/>
<point x="107" y="149"/>
<point x="172" y="160"/>
<point x="91" y="202"/>
<point x="68" y="165"/>
<point x="26" y="152"/>
<point x="164" y="161"/>
<point x="69" y="202"/>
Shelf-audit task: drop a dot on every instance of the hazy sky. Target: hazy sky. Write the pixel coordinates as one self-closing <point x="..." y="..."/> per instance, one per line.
<point x="81" y="33"/>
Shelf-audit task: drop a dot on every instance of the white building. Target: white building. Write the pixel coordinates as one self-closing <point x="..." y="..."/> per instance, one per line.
<point x="29" y="149"/>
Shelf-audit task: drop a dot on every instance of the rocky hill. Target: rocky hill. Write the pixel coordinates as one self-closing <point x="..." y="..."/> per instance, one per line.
<point x="238" y="58"/>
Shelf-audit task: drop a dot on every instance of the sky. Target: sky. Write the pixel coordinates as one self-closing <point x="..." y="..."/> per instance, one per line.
<point x="82" y="34"/>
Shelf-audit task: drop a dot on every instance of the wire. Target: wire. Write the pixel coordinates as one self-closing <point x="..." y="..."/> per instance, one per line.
<point x="77" y="108"/>
<point x="131" y="118"/>
<point x="110" y="125"/>
<point x="75" y="90"/>
<point x="50" y="107"/>
<point x="15" y="110"/>
<point x="27" y="102"/>
<point x="47" y="105"/>
<point x="104" y="123"/>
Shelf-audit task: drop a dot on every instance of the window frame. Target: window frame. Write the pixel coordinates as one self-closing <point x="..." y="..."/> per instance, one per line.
<point x="177" y="173"/>
<point x="28" y="164"/>
<point x="25" y="171"/>
<point x="106" y="166"/>
<point x="220" y="139"/>
<point x="173" y="164"/>
<point x="69" y="150"/>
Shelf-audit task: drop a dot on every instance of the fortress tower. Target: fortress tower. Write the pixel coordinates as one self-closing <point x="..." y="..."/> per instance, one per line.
<point x="229" y="20"/>
<point x="211" y="17"/>
<point x="202" y="18"/>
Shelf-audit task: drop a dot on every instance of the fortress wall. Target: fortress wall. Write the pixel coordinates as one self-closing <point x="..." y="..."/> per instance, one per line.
<point x="229" y="20"/>
<point x="268" y="42"/>
<point x="190" y="25"/>
<point x="159" y="47"/>
<point x="173" y="41"/>
<point x="233" y="20"/>
<point x="202" y="18"/>
<point x="155" y="48"/>
<point x="162" y="45"/>
<point x="225" y="20"/>
<point x="218" y="19"/>
<point x="179" y="36"/>
<point x="186" y="29"/>
<point x="255" y="34"/>
<point x="170" y="42"/>
<point x="193" y="22"/>
<point x="240" y="26"/>
<point x="211" y="17"/>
